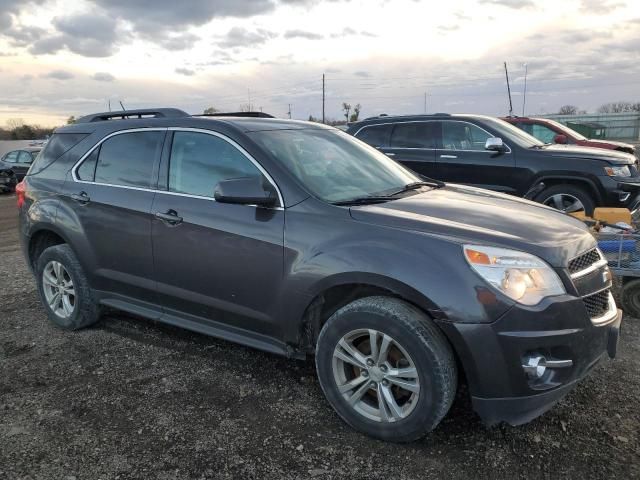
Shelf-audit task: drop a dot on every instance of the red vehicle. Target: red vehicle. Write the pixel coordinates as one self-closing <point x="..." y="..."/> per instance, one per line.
<point x="550" y="131"/>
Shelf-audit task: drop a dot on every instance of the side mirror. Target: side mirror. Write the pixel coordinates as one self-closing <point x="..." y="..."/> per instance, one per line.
<point x="245" y="191"/>
<point x="494" y="144"/>
<point x="561" y="139"/>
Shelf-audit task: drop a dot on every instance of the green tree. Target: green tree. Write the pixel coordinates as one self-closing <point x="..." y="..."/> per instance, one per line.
<point x="346" y="107"/>
<point x="71" y="119"/>
<point x="356" y="113"/>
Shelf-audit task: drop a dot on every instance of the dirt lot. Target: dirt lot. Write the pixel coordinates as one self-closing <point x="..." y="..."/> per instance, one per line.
<point x="134" y="399"/>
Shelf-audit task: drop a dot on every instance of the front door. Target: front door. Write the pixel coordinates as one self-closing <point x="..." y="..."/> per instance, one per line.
<point x="462" y="158"/>
<point x="218" y="263"/>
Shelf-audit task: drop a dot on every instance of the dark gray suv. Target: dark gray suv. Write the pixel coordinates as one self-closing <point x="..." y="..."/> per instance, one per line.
<point x="299" y="239"/>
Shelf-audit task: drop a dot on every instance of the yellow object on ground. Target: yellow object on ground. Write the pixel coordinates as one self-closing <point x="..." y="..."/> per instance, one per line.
<point x="612" y="215"/>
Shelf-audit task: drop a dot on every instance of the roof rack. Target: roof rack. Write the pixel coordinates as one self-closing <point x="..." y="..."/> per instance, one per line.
<point x="237" y="114"/>
<point x="134" y="114"/>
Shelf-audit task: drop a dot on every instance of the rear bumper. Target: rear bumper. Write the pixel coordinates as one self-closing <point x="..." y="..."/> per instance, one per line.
<point x="493" y="356"/>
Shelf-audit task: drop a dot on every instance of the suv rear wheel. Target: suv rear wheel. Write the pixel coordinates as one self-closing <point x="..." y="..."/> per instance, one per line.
<point x="386" y="369"/>
<point x="567" y="198"/>
<point x="64" y="289"/>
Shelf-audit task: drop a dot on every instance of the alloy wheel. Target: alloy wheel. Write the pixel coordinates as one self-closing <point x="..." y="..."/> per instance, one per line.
<point x="58" y="289"/>
<point x="564" y="202"/>
<point x="375" y="375"/>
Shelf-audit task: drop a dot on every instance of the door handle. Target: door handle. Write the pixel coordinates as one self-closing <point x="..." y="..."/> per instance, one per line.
<point x="389" y="154"/>
<point x="81" y="198"/>
<point x="171" y="217"/>
<point x="448" y="156"/>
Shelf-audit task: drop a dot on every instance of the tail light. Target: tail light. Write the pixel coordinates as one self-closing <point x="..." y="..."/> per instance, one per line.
<point x="21" y="190"/>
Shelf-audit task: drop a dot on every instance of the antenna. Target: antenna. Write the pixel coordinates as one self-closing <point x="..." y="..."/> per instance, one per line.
<point x="109" y="103"/>
<point x="123" y="109"/>
<point x="425" y="102"/>
<point x="524" y="96"/>
<point x="508" y="89"/>
<point x="289" y="112"/>
<point x="323" y="98"/>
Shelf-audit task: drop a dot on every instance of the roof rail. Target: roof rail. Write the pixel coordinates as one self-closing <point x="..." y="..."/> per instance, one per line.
<point x="237" y="114"/>
<point x="134" y="114"/>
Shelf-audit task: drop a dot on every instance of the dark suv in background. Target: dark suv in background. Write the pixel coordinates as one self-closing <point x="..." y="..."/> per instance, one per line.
<point x="490" y="153"/>
<point x="298" y="239"/>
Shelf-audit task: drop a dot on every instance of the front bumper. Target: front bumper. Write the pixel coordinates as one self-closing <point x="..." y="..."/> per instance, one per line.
<point x="493" y="355"/>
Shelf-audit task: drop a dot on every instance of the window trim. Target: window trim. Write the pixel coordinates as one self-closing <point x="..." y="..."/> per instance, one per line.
<point x="157" y="190"/>
<point x="508" y="151"/>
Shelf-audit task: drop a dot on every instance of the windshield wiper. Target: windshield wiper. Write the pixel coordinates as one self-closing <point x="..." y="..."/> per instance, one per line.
<point x="415" y="185"/>
<point x="363" y="200"/>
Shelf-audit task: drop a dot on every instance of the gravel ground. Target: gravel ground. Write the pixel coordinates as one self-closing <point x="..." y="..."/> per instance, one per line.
<point x="134" y="399"/>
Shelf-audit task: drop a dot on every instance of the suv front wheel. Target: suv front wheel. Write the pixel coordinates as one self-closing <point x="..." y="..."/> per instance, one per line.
<point x="567" y="198"/>
<point x="386" y="369"/>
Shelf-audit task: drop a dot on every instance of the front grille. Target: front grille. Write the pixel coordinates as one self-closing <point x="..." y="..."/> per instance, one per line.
<point x="584" y="261"/>
<point x="597" y="304"/>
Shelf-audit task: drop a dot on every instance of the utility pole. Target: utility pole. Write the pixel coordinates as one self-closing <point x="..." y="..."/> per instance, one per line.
<point x="323" y="98"/>
<point x="425" y="102"/>
<point x="109" y="104"/>
<point x="249" y="98"/>
<point x="508" y="90"/>
<point x="524" y="96"/>
<point x="289" y="112"/>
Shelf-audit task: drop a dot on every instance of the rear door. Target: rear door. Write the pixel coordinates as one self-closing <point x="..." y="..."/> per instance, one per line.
<point x="221" y="264"/>
<point x="111" y="195"/>
<point x="413" y="144"/>
<point x="462" y="158"/>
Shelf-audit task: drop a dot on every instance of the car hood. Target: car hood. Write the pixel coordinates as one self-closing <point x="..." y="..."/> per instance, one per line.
<point x="611" y="142"/>
<point x="472" y="215"/>
<point x="570" y="151"/>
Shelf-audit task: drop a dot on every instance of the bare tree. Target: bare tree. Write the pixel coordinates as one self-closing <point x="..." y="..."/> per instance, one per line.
<point x="210" y="110"/>
<point x="71" y="119"/>
<point x="14" y="123"/>
<point x="568" y="110"/>
<point x="347" y="108"/>
<point x="246" y="107"/>
<point x="619" y="107"/>
<point x="356" y="113"/>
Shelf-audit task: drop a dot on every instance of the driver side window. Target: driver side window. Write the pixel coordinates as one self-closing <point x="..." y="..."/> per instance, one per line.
<point x="463" y="136"/>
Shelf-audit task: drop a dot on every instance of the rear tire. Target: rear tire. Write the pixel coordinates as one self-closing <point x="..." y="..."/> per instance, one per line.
<point x="563" y="198"/>
<point x="64" y="289"/>
<point x="630" y="297"/>
<point x="416" y="378"/>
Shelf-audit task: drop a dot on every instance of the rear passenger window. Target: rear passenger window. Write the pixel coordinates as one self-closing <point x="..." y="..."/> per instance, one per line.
<point x="375" y="135"/>
<point x="199" y="161"/>
<point x="127" y="159"/>
<point x="87" y="169"/>
<point x="57" y="145"/>
<point x="414" y="135"/>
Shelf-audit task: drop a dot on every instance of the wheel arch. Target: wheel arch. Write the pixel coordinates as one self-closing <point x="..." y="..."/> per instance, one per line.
<point x="41" y="238"/>
<point x="553" y="180"/>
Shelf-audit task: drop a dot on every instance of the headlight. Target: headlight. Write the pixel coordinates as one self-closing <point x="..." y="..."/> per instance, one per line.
<point x="618" y="171"/>
<point x="520" y="276"/>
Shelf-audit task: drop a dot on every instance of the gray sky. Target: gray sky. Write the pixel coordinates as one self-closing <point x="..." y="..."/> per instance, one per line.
<point x="61" y="58"/>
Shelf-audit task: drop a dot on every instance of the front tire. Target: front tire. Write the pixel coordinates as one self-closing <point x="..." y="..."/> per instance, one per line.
<point x="64" y="289"/>
<point x="386" y="369"/>
<point x="567" y="198"/>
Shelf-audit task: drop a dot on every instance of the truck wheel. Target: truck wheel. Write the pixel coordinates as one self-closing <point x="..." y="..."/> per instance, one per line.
<point x="567" y="198"/>
<point x="386" y="368"/>
<point x="64" y="289"/>
<point x="630" y="297"/>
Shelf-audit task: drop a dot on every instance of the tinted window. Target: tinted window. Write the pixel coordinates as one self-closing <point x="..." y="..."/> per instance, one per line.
<point x="11" y="157"/>
<point x="127" y="159"/>
<point x="87" y="170"/>
<point x="543" y="133"/>
<point x="57" y="145"/>
<point x="199" y="161"/>
<point x="375" y="135"/>
<point x="463" y="136"/>
<point x="414" y="135"/>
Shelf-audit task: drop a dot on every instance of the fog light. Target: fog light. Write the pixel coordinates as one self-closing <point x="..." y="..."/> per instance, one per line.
<point x="535" y="366"/>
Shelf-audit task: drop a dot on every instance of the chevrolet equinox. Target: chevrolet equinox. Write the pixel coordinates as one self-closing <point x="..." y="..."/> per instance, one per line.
<point x="298" y="239"/>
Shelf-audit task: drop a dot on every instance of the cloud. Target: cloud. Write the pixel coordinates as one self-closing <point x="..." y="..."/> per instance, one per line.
<point x="600" y="6"/>
<point x="517" y="4"/>
<point x="362" y="74"/>
<point x="103" y="77"/>
<point x="59" y="75"/>
<point x="239" y="37"/>
<point x="349" y="32"/>
<point x="303" y="34"/>
<point x="181" y="41"/>
<point x="185" y="71"/>
<point x="21" y="36"/>
<point x="89" y="35"/>
<point x="5" y="20"/>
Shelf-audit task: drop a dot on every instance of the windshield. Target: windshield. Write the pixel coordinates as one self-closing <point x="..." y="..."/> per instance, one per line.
<point x="513" y="133"/>
<point x="333" y="165"/>
<point x="569" y="131"/>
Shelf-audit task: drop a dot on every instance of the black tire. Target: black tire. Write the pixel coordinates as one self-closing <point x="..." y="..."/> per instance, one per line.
<point x="420" y="338"/>
<point x="630" y="297"/>
<point x="578" y="192"/>
<point x="86" y="310"/>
